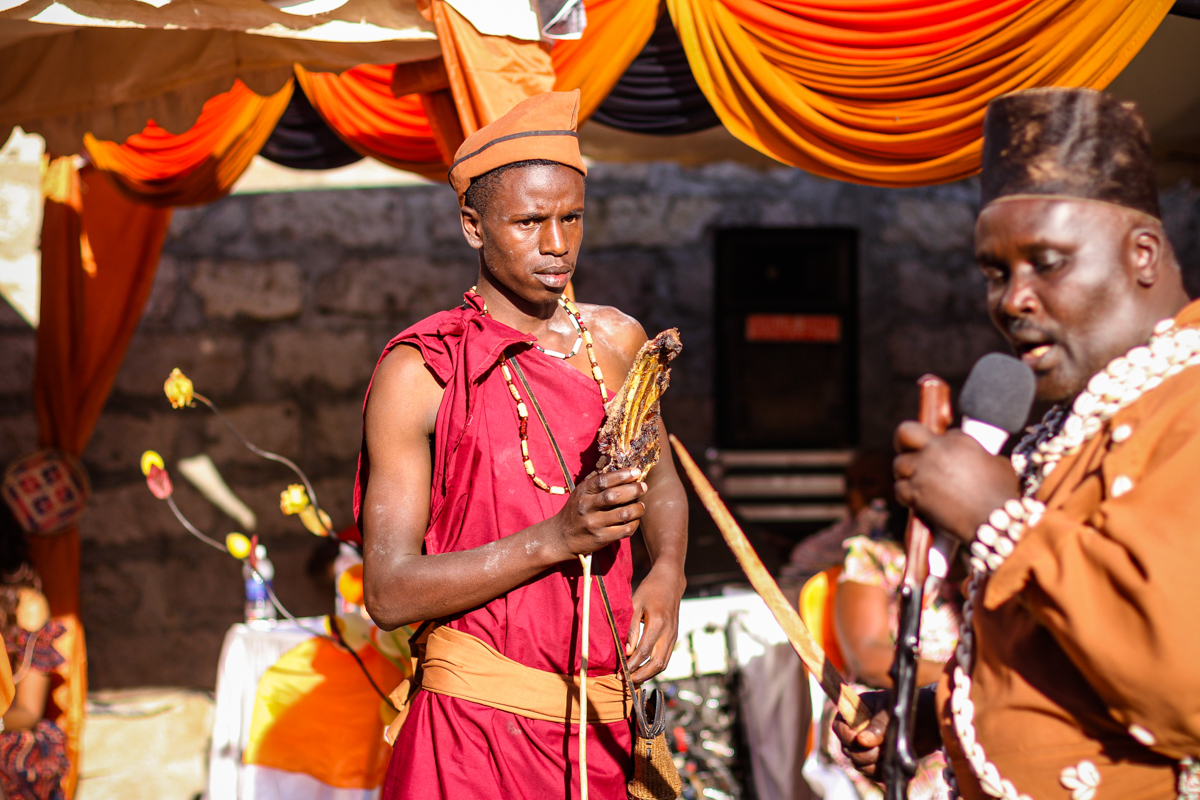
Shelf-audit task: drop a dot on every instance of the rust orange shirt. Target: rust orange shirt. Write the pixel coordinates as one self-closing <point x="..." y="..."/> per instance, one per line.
<point x="1087" y="639"/>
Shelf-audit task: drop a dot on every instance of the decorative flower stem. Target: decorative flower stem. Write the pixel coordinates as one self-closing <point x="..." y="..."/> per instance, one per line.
<point x="267" y="454"/>
<point x="192" y="529"/>
<point x="180" y="392"/>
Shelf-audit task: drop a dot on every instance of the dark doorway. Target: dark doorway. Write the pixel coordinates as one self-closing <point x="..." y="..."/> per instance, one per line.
<point x="787" y="349"/>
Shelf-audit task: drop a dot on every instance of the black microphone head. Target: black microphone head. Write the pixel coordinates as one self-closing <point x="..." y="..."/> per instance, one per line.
<point x="999" y="391"/>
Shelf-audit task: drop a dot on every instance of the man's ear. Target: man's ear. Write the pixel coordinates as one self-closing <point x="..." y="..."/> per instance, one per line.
<point x="1146" y="252"/>
<point x="472" y="225"/>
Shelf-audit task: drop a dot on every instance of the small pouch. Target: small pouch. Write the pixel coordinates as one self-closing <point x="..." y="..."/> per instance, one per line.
<point x="654" y="774"/>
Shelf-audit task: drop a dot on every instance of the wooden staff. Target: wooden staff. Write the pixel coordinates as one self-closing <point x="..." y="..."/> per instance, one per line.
<point x="852" y="709"/>
<point x="898" y="762"/>
<point x="586" y="561"/>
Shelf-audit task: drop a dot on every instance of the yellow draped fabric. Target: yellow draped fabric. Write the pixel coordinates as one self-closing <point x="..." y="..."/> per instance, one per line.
<point x="7" y="690"/>
<point x="892" y="92"/>
<point x="316" y="713"/>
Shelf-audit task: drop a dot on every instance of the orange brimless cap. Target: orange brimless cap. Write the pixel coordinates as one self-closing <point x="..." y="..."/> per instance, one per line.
<point x="539" y="127"/>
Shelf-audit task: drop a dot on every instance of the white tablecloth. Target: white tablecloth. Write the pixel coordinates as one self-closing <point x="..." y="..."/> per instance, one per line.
<point x="245" y="656"/>
<point x="774" y="700"/>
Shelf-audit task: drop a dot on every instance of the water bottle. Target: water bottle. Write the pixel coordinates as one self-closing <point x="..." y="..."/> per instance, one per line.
<point x="260" y="611"/>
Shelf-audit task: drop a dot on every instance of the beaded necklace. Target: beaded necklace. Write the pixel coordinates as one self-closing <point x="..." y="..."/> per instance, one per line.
<point x="578" y="340"/>
<point x="1061" y="433"/>
<point x="523" y="410"/>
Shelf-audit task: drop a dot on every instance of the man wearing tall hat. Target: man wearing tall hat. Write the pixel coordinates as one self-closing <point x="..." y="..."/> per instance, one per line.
<point x="1078" y="672"/>
<point x="466" y="516"/>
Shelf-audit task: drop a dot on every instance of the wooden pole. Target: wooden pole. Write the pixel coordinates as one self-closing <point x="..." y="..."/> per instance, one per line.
<point x="852" y="709"/>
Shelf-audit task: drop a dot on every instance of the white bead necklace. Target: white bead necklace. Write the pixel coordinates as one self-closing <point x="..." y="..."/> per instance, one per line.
<point x="578" y="336"/>
<point x="1060" y="434"/>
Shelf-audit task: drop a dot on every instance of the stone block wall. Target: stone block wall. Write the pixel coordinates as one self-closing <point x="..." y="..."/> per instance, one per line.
<point x="277" y="306"/>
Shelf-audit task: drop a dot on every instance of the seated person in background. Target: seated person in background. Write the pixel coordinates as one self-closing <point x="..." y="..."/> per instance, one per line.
<point x="865" y="616"/>
<point x="33" y="756"/>
<point x="868" y="485"/>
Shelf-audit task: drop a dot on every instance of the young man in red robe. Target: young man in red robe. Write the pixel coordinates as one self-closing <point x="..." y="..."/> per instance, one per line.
<point x="464" y="516"/>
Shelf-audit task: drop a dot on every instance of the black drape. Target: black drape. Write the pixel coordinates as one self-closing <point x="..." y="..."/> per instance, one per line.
<point x="658" y="93"/>
<point x="302" y="140"/>
<point x="1187" y="8"/>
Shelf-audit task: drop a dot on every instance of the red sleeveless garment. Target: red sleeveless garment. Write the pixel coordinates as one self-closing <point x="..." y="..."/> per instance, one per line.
<point x="455" y="749"/>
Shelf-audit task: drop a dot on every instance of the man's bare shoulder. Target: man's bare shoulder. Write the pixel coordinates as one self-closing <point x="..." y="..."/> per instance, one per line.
<point x="614" y="328"/>
<point x="404" y="363"/>
<point x="403" y="385"/>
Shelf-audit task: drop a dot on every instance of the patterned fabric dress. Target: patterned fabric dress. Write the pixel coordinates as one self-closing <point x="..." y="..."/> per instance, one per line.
<point x="33" y="762"/>
<point x="880" y="562"/>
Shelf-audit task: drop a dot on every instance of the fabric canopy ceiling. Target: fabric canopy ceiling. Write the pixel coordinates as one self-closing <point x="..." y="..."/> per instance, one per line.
<point x="884" y="92"/>
<point x="107" y="66"/>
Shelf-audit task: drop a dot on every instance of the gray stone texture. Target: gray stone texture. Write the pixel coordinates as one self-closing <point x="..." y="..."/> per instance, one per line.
<point x="215" y="363"/>
<point x="259" y="290"/>
<point x="337" y="430"/>
<point x="163" y="296"/>
<point x="16" y="363"/>
<point x="274" y="427"/>
<point x="390" y="287"/>
<point x="119" y="440"/>
<point x="128" y="514"/>
<point x="10" y="319"/>
<point x="277" y="307"/>
<point x="337" y="360"/>
<point x="18" y="435"/>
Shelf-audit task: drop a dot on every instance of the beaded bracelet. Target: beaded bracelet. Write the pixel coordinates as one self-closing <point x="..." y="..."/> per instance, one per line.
<point x="996" y="538"/>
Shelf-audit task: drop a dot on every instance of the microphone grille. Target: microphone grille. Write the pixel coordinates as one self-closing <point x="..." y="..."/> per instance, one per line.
<point x="999" y="391"/>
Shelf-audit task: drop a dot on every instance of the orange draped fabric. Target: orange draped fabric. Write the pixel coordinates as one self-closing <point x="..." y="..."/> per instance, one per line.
<point x="485" y="75"/>
<point x="7" y="690"/>
<point x="87" y="320"/>
<point x="616" y="32"/>
<point x="199" y="165"/>
<point x="360" y="107"/>
<point x="893" y="92"/>
<point x="479" y="78"/>
<point x="488" y="74"/>
<point x="315" y="713"/>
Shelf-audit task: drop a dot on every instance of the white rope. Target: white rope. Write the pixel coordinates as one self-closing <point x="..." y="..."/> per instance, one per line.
<point x="583" y="671"/>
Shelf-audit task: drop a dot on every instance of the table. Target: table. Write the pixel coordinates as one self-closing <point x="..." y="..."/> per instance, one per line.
<point x="246" y="654"/>
<point x="774" y="700"/>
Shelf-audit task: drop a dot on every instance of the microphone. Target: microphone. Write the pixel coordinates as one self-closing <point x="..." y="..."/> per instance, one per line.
<point x="995" y="404"/>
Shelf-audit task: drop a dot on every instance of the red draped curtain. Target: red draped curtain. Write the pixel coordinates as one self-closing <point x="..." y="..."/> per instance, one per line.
<point x="99" y="255"/>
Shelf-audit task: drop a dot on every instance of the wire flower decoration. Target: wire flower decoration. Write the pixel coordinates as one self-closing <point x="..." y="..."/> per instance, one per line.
<point x="297" y="499"/>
